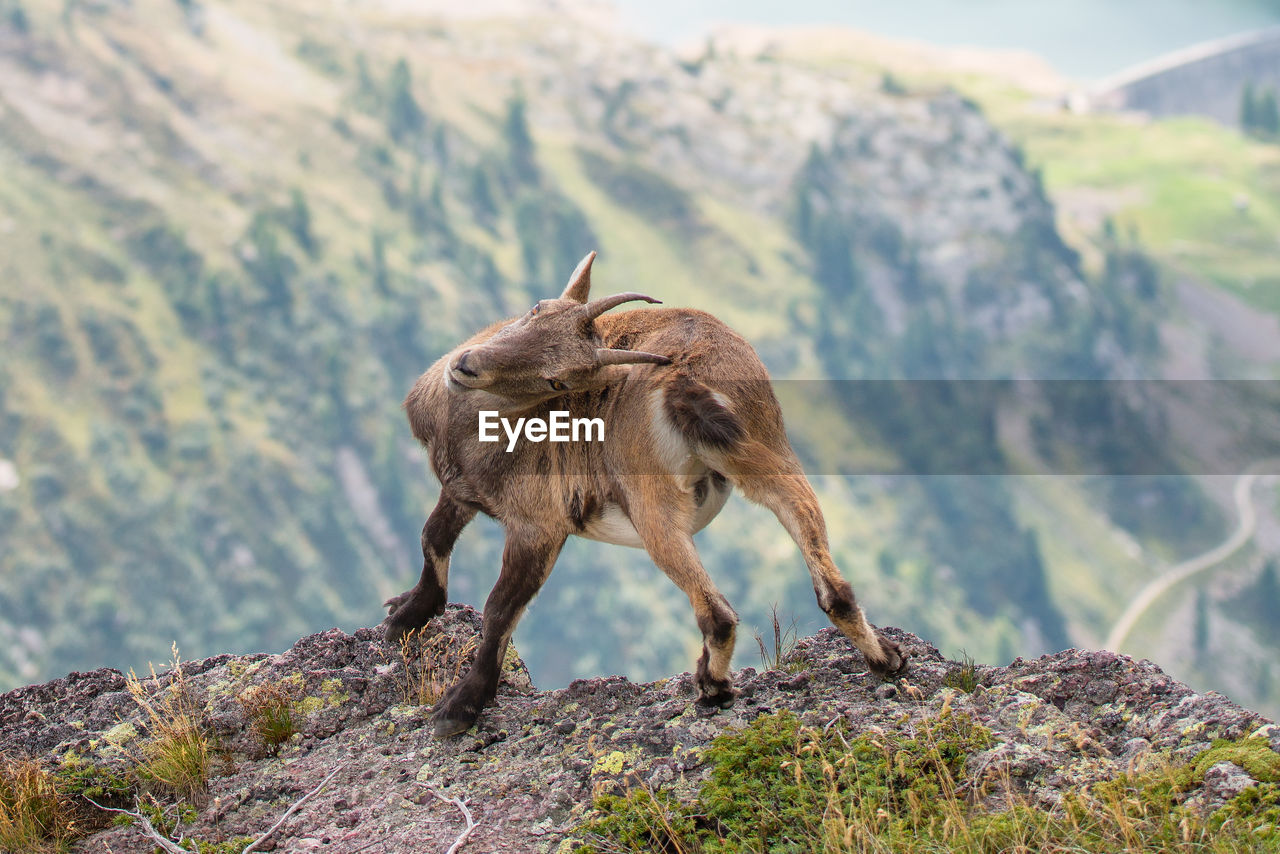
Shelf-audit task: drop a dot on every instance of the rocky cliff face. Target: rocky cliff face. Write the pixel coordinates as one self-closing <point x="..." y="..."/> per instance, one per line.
<point x="941" y="221"/>
<point x="528" y="772"/>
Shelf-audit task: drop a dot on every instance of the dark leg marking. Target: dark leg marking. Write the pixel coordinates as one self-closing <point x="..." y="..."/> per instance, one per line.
<point x="842" y="607"/>
<point x="414" y="608"/>
<point x="719" y="624"/>
<point x="583" y="509"/>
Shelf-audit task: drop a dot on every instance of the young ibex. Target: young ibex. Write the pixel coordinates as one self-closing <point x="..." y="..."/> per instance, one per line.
<point x="688" y="413"/>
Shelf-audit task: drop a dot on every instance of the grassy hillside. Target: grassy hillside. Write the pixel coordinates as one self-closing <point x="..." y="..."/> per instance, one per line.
<point x="1203" y="199"/>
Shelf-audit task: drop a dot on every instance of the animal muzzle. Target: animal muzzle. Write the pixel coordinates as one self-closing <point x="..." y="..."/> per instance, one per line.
<point x="465" y="371"/>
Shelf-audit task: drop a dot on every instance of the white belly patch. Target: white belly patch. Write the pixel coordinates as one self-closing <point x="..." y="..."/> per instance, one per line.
<point x="613" y="526"/>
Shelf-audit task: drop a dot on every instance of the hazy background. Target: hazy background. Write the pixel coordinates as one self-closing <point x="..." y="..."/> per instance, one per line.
<point x="1084" y="40"/>
<point x="232" y="233"/>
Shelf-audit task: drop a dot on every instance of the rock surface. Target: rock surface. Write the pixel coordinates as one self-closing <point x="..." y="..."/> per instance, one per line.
<point x="529" y="770"/>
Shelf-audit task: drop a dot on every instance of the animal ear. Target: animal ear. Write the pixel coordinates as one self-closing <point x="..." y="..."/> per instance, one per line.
<point x="630" y="357"/>
<point x="579" y="286"/>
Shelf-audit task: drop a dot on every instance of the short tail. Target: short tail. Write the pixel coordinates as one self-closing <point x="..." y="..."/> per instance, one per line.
<point x="700" y="416"/>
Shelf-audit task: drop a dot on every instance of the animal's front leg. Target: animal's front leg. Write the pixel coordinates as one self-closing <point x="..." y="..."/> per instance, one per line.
<point x="416" y="606"/>
<point x="526" y="563"/>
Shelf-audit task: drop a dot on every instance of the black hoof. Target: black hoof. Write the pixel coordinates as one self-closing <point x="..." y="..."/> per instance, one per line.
<point x="459" y="710"/>
<point x="408" y="614"/>
<point x="449" y="727"/>
<point x="718" y="701"/>
<point x="396" y="632"/>
<point x="716" y="693"/>
<point x="894" y="663"/>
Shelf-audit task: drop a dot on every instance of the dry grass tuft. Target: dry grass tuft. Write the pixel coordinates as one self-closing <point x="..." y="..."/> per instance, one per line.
<point x="431" y="666"/>
<point x="965" y="677"/>
<point x="784" y="645"/>
<point x="269" y="708"/>
<point x="35" y="815"/>
<point x="176" y="754"/>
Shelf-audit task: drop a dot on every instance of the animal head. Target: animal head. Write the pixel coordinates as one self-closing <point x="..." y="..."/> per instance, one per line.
<point x="553" y="349"/>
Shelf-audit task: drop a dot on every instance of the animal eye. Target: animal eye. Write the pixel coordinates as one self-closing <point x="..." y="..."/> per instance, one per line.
<point x="533" y="312"/>
<point x="556" y="385"/>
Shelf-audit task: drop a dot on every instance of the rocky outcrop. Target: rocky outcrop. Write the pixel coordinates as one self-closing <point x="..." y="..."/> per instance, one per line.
<point x="528" y="772"/>
<point x="937" y="205"/>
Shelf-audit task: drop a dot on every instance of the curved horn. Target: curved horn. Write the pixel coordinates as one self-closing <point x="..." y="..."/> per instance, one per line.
<point x="580" y="281"/>
<point x="597" y="307"/>
<point x="630" y="357"/>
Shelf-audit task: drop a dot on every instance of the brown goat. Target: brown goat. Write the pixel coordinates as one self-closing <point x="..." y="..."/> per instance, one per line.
<point x="688" y="413"/>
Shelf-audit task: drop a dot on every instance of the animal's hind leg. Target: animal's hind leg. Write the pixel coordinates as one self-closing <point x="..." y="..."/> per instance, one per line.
<point x="776" y="481"/>
<point x="415" y="607"/>
<point x="663" y="516"/>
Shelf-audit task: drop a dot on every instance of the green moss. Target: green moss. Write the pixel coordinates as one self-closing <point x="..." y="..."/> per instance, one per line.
<point x="1257" y="807"/>
<point x="231" y="846"/>
<point x="187" y="814"/>
<point x="780" y="786"/>
<point x="1168" y="787"/>
<point x="79" y="777"/>
<point x="772" y="782"/>
<point x="1254" y="755"/>
<point x="641" y="821"/>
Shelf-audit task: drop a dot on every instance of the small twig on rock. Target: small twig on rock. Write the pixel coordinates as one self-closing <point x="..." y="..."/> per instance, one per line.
<point x="107" y="809"/>
<point x="147" y="827"/>
<point x="466" y="813"/>
<point x="158" y="838"/>
<point x="291" y="810"/>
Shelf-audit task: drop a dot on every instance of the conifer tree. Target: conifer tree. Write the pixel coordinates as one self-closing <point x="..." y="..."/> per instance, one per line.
<point x="378" y="251"/>
<point x="1248" y="109"/>
<point x="368" y="98"/>
<point x="1268" y="114"/>
<point x="404" y="116"/>
<point x="1265" y="600"/>
<point x="519" y="142"/>
<point x="299" y="222"/>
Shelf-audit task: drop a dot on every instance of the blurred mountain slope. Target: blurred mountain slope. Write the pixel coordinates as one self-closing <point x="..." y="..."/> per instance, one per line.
<point x="233" y="233"/>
